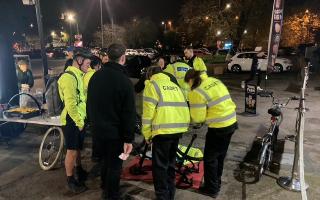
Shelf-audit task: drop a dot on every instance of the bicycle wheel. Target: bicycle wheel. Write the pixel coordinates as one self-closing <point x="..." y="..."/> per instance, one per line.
<point x="51" y="148"/>
<point x="263" y="160"/>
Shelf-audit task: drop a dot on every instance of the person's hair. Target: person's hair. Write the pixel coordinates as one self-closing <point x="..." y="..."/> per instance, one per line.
<point x="195" y="76"/>
<point x="166" y="60"/>
<point x="152" y="71"/>
<point x="95" y="60"/>
<point x="189" y="48"/>
<point x="115" y="51"/>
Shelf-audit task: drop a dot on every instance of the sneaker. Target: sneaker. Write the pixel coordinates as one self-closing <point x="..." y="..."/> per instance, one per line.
<point x="81" y="174"/>
<point x="76" y="187"/>
<point x="259" y="88"/>
<point x="205" y="191"/>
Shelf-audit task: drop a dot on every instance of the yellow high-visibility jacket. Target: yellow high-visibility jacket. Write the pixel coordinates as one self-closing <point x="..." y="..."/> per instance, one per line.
<point x="86" y="80"/>
<point x="199" y="65"/>
<point x="211" y="103"/>
<point x="72" y="94"/>
<point x="165" y="110"/>
<point x="179" y="70"/>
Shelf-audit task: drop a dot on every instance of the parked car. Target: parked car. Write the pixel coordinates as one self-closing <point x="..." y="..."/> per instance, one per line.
<point x="132" y="52"/>
<point x="141" y="52"/>
<point x="205" y="50"/>
<point x="223" y="55"/>
<point x="136" y="64"/>
<point x="199" y="52"/>
<point x="151" y="53"/>
<point x="243" y="61"/>
<point x="56" y="53"/>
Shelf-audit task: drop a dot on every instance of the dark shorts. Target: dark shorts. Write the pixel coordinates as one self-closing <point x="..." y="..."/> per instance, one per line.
<point x="74" y="138"/>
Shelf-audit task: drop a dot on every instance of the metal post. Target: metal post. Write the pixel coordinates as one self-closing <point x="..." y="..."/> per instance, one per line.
<point x="77" y="28"/>
<point x="296" y="183"/>
<point x="40" y="30"/>
<point x="101" y="18"/>
<point x="70" y="29"/>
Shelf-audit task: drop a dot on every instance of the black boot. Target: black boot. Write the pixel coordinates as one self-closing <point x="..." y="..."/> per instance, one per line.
<point x="81" y="174"/>
<point x="74" y="186"/>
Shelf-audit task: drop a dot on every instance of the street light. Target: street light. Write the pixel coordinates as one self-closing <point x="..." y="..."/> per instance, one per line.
<point x="53" y="34"/>
<point x="170" y="24"/>
<point x="31" y="25"/>
<point x="307" y="11"/>
<point x="206" y="18"/>
<point x="218" y="33"/>
<point x="245" y="32"/>
<point x="228" y="6"/>
<point x="36" y="3"/>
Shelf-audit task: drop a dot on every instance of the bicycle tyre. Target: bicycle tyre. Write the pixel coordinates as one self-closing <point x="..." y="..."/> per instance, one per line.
<point x="46" y="164"/>
<point x="187" y="157"/>
<point x="262" y="161"/>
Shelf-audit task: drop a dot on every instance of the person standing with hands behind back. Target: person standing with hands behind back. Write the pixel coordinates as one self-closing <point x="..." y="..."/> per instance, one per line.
<point x="112" y="114"/>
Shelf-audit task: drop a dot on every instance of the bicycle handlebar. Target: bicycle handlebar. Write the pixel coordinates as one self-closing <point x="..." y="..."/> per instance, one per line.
<point x="276" y="101"/>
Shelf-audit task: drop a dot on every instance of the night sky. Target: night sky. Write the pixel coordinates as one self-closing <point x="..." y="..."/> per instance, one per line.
<point x="18" y="17"/>
<point x="88" y="12"/>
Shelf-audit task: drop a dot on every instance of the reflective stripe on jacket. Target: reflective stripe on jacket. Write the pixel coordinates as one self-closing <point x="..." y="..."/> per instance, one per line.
<point x="72" y="94"/>
<point x="165" y="110"/>
<point x="179" y="70"/>
<point x="212" y="103"/>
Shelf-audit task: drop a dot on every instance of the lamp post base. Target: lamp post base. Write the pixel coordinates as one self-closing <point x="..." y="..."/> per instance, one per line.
<point x="290" y="184"/>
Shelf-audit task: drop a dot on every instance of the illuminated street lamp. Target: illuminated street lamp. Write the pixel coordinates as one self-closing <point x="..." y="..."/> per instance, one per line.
<point x="31" y="25"/>
<point x="245" y="32"/>
<point x="206" y="18"/>
<point x="53" y="34"/>
<point x="237" y="17"/>
<point x="170" y="24"/>
<point x="307" y="11"/>
<point x="228" y="6"/>
<point x="218" y="33"/>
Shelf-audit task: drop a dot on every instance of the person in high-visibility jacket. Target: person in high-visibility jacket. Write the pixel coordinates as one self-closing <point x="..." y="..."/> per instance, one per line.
<point x="96" y="63"/>
<point x="165" y="118"/>
<point x="73" y="116"/>
<point x="211" y="103"/>
<point x="179" y="69"/>
<point x="194" y="61"/>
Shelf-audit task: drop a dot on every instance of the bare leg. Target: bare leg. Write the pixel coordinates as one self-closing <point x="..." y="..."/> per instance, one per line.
<point x="70" y="161"/>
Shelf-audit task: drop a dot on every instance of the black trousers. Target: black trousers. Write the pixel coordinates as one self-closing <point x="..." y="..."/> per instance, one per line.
<point x="253" y="74"/>
<point x="216" y="147"/>
<point x="111" y="167"/>
<point x="163" y="166"/>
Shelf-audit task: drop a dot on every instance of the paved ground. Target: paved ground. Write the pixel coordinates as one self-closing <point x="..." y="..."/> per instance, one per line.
<point x="21" y="177"/>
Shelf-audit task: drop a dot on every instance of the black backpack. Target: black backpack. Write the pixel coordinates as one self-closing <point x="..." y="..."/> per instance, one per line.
<point x="54" y="103"/>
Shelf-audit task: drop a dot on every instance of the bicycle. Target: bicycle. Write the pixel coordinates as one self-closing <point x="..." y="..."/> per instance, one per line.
<point x="269" y="140"/>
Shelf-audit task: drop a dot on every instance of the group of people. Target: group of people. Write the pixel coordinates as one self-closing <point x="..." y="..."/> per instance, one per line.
<point x="175" y="95"/>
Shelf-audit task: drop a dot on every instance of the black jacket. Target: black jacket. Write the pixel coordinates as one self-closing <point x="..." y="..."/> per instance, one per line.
<point x="255" y="63"/>
<point x="25" y="78"/>
<point x="190" y="62"/>
<point x="111" y="104"/>
<point x="139" y="86"/>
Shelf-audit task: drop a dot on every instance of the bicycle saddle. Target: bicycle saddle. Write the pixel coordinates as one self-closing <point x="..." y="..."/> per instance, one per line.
<point x="276" y="112"/>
